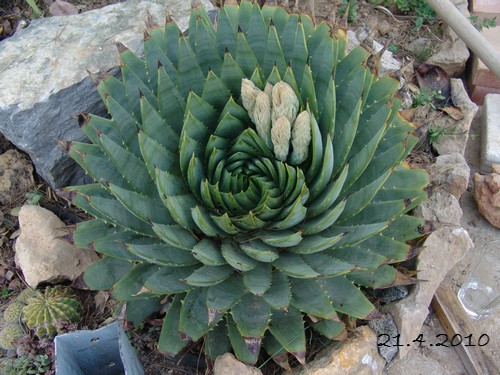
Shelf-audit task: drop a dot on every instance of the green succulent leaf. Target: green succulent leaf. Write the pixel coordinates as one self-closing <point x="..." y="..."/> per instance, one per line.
<point x="217" y="341"/>
<point x="331" y="329"/>
<point x="105" y="273"/>
<point x="345" y="297"/>
<point x="288" y="329"/>
<point x="170" y="340"/>
<point x="224" y="295"/>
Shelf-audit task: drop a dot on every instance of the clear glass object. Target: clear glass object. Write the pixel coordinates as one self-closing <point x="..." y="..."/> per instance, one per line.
<point x="480" y="293"/>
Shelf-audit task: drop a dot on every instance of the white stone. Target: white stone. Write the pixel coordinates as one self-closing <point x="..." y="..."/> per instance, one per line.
<point x="490" y="132"/>
<point x="44" y="79"/>
<point x="441" y="251"/>
<point x="40" y="252"/>
<point x="388" y="64"/>
<point x="451" y="55"/>
<point x="441" y="207"/>
<point x="352" y="41"/>
<point x="227" y="364"/>
<point x="358" y="355"/>
<point x="458" y="130"/>
<point x="451" y="173"/>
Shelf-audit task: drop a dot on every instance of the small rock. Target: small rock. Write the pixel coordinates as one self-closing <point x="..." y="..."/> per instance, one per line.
<point x="386" y="331"/>
<point x="487" y="195"/>
<point x="457" y="130"/>
<point x="451" y="55"/>
<point x="451" y="173"/>
<point x="441" y="207"/>
<point x="384" y="28"/>
<point x="16" y="177"/>
<point x="462" y="6"/>
<point x="358" y="355"/>
<point x="420" y="46"/>
<point x="352" y="41"/>
<point x="392" y="294"/>
<point x="388" y="64"/>
<point x="441" y="251"/>
<point x="227" y="364"/>
<point x="41" y="254"/>
<point x="490" y="132"/>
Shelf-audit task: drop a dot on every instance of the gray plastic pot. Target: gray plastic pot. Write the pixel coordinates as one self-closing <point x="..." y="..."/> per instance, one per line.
<point x="105" y="351"/>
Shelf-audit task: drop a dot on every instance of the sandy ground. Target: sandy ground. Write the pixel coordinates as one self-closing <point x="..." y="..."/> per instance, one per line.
<point x="427" y="360"/>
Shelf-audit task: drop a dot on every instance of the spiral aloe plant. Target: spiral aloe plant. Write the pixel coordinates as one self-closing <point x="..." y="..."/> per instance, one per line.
<point x="253" y="172"/>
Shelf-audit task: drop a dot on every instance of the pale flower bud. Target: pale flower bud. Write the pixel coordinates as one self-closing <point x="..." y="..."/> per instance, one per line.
<point x="280" y="136"/>
<point x="285" y="102"/>
<point x="301" y="137"/>
<point x="249" y="94"/>
<point x="262" y="117"/>
<point x="269" y="89"/>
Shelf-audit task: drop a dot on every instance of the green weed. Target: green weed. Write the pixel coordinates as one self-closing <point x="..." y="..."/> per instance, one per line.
<point x="425" y="97"/>
<point x="36" y="10"/>
<point x="486" y="23"/>
<point x="420" y="8"/>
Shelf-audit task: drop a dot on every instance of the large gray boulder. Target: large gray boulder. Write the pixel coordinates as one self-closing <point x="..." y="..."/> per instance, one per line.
<point x="45" y="81"/>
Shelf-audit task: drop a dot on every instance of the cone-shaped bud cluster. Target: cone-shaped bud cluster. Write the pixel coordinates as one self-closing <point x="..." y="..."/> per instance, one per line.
<point x="280" y="136"/>
<point x="301" y="137"/>
<point x="274" y="112"/>
<point x="285" y="102"/>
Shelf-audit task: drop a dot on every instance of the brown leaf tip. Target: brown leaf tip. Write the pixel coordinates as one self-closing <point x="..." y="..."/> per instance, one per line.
<point x="121" y="47"/>
<point x="65" y="145"/>
<point x="66" y="194"/>
<point x="253" y="344"/>
<point x="372" y="315"/>
<point x="68" y="237"/>
<point x="301" y="357"/>
<point x="83" y="119"/>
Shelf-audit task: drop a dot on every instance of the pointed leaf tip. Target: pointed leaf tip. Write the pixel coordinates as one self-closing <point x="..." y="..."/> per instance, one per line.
<point x="83" y="119"/>
<point x="65" y="145"/>
<point x="373" y="315"/>
<point x="121" y="47"/>
<point x="65" y="194"/>
<point x="301" y="357"/>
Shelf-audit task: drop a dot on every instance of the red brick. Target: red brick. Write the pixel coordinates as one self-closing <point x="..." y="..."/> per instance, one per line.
<point x="485" y="6"/>
<point x="478" y="93"/>
<point x="481" y="75"/>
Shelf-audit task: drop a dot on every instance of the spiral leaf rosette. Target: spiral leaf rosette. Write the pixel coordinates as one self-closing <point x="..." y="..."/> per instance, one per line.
<point x="253" y="172"/>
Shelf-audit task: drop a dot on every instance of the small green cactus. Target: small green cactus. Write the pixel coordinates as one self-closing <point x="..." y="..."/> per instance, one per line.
<point x="25" y="295"/>
<point x="26" y="365"/>
<point x="9" y="335"/>
<point x="13" y="312"/>
<point x="44" y="310"/>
